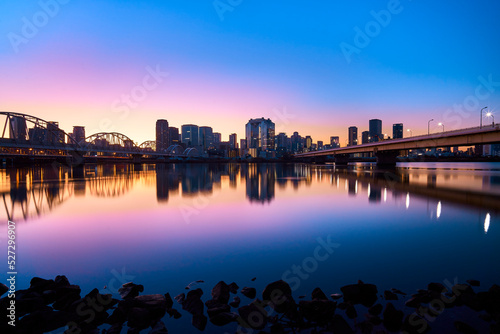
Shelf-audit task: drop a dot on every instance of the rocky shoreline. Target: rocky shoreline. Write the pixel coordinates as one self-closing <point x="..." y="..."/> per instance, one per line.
<point x="55" y="304"/>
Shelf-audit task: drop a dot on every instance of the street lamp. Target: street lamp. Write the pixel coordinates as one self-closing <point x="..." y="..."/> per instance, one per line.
<point x="441" y="124"/>
<point x="490" y="114"/>
<point x="429" y="126"/>
<point x="411" y="133"/>
<point x="481" y="118"/>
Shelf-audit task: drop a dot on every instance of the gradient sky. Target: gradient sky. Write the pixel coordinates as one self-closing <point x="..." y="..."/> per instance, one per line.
<point x="256" y="59"/>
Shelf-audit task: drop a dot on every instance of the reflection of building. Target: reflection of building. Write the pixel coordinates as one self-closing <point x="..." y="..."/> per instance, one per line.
<point x="162" y="135"/>
<point x="18" y="128"/>
<point x="166" y="181"/>
<point x="375" y="130"/>
<point x="353" y="136"/>
<point x="259" y="134"/>
<point x="397" y="130"/>
<point x="189" y="135"/>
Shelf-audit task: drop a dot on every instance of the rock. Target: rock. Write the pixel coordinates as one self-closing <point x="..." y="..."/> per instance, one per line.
<point x="399" y="292"/>
<point x="180" y="298"/>
<point x="169" y="301"/>
<point x="249" y="292"/>
<point x="3" y="288"/>
<point x="351" y="312"/>
<point x="39" y="284"/>
<point x="253" y="279"/>
<point x="159" y="328"/>
<point x="392" y="318"/>
<point x="361" y="293"/>
<point x="339" y="325"/>
<point x="462" y="327"/>
<point x="414" y="324"/>
<point x="139" y="318"/>
<point x="193" y="303"/>
<point x="253" y="316"/>
<point x="130" y="290"/>
<point x="220" y="292"/>
<point x="436" y="287"/>
<point x="318" y="294"/>
<point x="236" y="302"/>
<point x="114" y="329"/>
<point x="224" y="318"/>
<point x="473" y="282"/>
<point x="156" y="304"/>
<point x="66" y="296"/>
<point x="343" y="306"/>
<point x="320" y="311"/>
<point x="173" y="313"/>
<point x="44" y="320"/>
<point x="61" y="280"/>
<point x="336" y="296"/>
<point x="279" y="295"/>
<point x="373" y="319"/>
<point x="216" y="308"/>
<point x="389" y="295"/>
<point x="375" y="309"/>
<point x="233" y="288"/>
<point x="365" y="327"/>
<point x="199" y="321"/>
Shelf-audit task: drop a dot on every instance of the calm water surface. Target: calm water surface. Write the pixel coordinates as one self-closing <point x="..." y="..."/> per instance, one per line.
<point x="166" y="226"/>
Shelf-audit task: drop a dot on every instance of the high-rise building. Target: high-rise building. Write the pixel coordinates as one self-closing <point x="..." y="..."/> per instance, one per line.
<point x="308" y="142"/>
<point x="189" y="135"/>
<point x="353" y="136"/>
<point x="296" y="141"/>
<point x="54" y="134"/>
<point x="18" y="129"/>
<point x="397" y="130"/>
<point x="205" y="137"/>
<point x="162" y="135"/>
<point x="320" y="144"/>
<point x="365" y="137"/>
<point x="334" y="141"/>
<point x="79" y="134"/>
<point x="281" y="140"/>
<point x="217" y="139"/>
<point x="233" y="141"/>
<point x="375" y="130"/>
<point x="259" y="133"/>
<point x="173" y="135"/>
<point x="243" y="144"/>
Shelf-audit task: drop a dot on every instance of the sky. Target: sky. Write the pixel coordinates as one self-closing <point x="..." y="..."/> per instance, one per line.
<point x="316" y="67"/>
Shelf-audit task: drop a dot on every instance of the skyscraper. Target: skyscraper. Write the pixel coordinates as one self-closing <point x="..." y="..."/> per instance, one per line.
<point x="79" y="133"/>
<point x="189" y="134"/>
<point x="353" y="136"/>
<point x="397" y="130"/>
<point x="365" y="137"/>
<point x="173" y="134"/>
<point x="308" y="142"/>
<point x="217" y="139"/>
<point x="233" y="141"/>
<point x="205" y="137"/>
<point x="162" y="135"/>
<point x="375" y="130"/>
<point x="259" y="133"/>
<point x="334" y="141"/>
<point x="296" y="141"/>
<point x="18" y="129"/>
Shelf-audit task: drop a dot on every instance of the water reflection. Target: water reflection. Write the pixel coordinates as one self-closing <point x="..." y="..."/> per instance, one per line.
<point x="34" y="191"/>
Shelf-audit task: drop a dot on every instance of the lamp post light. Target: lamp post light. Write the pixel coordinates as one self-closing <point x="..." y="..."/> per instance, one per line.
<point x="490" y="114"/>
<point x="429" y="126"/>
<point x="441" y="124"/>
<point x="481" y="118"/>
<point x="411" y="133"/>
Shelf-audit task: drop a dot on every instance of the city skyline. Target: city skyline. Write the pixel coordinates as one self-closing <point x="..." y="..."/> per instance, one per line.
<point x="303" y="65"/>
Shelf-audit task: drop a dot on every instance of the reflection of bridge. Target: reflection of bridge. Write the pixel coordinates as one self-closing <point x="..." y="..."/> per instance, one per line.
<point x="387" y="151"/>
<point x="25" y="136"/>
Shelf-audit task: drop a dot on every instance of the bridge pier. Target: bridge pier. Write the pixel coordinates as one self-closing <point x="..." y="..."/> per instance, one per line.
<point x="136" y="158"/>
<point x="386" y="159"/>
<point x="341" y="159"/>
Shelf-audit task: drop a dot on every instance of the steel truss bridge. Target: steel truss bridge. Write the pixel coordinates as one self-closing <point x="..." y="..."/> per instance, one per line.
<point x="26" y="136"/>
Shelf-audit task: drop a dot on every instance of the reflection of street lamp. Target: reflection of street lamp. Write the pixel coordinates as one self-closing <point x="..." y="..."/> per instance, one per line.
<point x="490" y="114"/>
<point x="441" y="124"/>
<point x="428" y="126"/>
<point x="481" y="118"/>
<point x="411" y="133"/>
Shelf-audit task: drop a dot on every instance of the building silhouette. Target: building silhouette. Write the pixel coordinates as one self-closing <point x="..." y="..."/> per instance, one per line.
<point x="334" y="141"/>
<point x="259" y="134"/>
<point x="162" y="135"/>
<point x="375" y="130"/>
<point x="353" y="136"/>
<point x="233" y="141"/>
<point x="79" y="134"/>
<point x="397" y="130"/>
<point x="217" y="137"/>
<point x="365" y="137"/>
<point x="189" y="135"/>
<point x="205" y="137"/>
<point x="18" y="129"/>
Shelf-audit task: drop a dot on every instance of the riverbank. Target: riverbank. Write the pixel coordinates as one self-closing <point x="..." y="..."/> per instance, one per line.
<point x="56" y="305"/>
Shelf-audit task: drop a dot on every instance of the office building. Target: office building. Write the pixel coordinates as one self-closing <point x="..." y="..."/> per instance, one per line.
<point x="353" y="136"/>
<point x="320" y="145"/>
<point x="18" y="129"/>
<point x="334" y="141"/>
<point x="189" y="135"/>
<point x="162" y="135"/>
<point x="173" y="134"/>
<point x="233" y="141"/>
<point x="375" y="130"/>
<point x="365" y="137"/>
<point x="308" y="142"/>
<point x="259" y="134"/>
<point x="79" y="134"/>
<point x="217" y="137"/>
<point x="205" y="137"/>
<point x="397" y="130"/>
